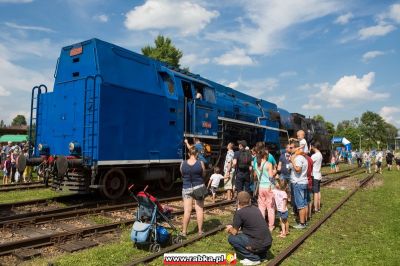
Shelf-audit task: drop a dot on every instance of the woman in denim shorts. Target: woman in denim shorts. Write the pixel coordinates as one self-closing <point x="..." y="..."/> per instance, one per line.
<point x="192" y="178"/>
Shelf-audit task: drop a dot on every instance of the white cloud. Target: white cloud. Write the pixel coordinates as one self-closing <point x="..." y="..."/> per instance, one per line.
<point x="267" y="22"/>
<point x="348" y="89"/>
<point x="16" y="1"/>
<point x="236" y="57"/>
<point x="4" y="92"/>
<point x="375" y="31"/>
<point x="391" y="114"/>
<point x="101" y="18"/>
<point x="15" y="77"/>
<point x="27" y="27"/>
<point x="192" y="60"/>
<point x="371" y="54"/>
<point x="394" y="12"/>
<point x="186" y="16"/>
<point x="344" y="19"/>
<point x="260" y="88"/>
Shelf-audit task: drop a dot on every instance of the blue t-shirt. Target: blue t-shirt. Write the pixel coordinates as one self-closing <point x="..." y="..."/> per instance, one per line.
<point x="200" y="149"/>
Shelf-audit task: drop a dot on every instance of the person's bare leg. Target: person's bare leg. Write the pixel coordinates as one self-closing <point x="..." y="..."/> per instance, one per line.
<point x="199" y="205"/>
<point x="303" y="215"/>
<point x="187" y="210"/>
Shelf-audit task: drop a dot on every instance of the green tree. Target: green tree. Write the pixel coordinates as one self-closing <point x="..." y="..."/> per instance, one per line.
<point x="373" y="129"/>
<point x="164" y="51"/>
<point x="19" y="120"/>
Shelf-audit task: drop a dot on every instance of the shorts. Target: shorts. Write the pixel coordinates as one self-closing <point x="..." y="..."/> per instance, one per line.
<point x="187" y="191"/>
<point x="283" y="215"/>
<point x="300" y="192"/>
<point x="214" y="190"/>
<point x="379" y="164"/>
<point x="316" y="185"/>
<point x="389" y="162"/>
<point x="398" y="162"/>
<point x="333" y="165"/>
<point x="367" y="164"/>
<point x="231" y="181"/>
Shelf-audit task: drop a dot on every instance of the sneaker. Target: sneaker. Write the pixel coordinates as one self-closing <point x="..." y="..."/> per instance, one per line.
<point x="299" y="226"/>
<point x="250" y="262"/>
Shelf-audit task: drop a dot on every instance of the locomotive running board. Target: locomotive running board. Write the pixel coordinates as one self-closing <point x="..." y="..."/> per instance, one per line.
<point x="249" y="124"/>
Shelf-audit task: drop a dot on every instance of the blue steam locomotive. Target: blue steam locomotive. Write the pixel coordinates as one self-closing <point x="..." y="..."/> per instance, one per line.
<point x="116" y="115"/>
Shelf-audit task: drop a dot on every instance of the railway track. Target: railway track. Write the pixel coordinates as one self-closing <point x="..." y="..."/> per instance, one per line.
<point x="299" y="241"/>
<point x="21" y="186"/>
<point x="153" y="256"/>
<point x="16" y="247"/>
<point x="349" y="173"/>
<point x="75" y="211"/>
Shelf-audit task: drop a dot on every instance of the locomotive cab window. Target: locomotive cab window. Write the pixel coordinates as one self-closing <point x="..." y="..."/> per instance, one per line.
<point x="204" y="93"/>
<point x="209" y="95"/>
<point x="187" y="90"/>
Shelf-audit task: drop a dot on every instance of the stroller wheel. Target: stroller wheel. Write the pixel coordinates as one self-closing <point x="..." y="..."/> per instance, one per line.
<point x="151" y="247"/>
<point x="156" y="248"/>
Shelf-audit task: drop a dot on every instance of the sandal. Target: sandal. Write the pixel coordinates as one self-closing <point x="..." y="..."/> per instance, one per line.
<point x="282" y="236"/>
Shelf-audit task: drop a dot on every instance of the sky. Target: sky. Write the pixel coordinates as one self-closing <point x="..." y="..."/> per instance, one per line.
<point x="336" y="58"/>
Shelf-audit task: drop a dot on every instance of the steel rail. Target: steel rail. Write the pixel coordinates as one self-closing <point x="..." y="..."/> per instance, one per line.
<point x="297" y="243"/>
<point x="70" y="212"/>
<point x="14" y="187"/>
<point x="334" y="179"/>
<point x="51" y="239"/>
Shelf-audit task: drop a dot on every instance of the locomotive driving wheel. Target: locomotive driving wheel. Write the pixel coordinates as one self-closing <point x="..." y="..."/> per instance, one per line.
<point x="114" y="183"/>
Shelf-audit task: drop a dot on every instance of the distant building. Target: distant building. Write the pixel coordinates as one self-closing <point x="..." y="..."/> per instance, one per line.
<point x="14" y="130"/>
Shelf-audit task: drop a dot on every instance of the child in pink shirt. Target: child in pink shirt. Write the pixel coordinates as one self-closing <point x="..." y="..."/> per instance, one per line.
<point x="280" y="196"/>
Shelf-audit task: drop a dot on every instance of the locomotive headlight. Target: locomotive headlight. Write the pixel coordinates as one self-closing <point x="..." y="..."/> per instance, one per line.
<point x="71" y="147"/>
<point x="74" y="148"/>
<point x="44" y="149"/>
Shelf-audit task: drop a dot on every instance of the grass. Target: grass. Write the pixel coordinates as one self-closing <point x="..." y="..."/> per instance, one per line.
<point x="365" y="231"/>
<point x="30" y="194"/>
<point x="98" y="219"/>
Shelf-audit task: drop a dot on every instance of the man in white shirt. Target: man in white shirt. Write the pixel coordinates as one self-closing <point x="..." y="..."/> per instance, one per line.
<point x="317" y="162"/>
<point x="299" y="166"/>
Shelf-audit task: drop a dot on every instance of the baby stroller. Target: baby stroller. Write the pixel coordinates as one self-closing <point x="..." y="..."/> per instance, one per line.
<point x="146" y="232"/>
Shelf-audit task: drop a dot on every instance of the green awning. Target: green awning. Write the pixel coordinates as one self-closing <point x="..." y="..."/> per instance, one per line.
<point x="13" y="138"/>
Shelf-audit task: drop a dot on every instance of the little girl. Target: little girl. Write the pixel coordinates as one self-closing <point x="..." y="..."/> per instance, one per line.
<point x="333" y="163"/>
<point x="280" y="196"/>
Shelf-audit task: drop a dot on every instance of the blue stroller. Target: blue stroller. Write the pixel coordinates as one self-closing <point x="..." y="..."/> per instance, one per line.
<point x="146" y="232"/>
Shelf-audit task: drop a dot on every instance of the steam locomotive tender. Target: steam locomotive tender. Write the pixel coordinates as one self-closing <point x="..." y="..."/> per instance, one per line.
<point x="115" y="115"/>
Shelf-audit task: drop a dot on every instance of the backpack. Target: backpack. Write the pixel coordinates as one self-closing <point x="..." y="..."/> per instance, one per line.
<point x="244" y="160"/>
<point x="207" y="149"/>
<point x="309" y="171"/>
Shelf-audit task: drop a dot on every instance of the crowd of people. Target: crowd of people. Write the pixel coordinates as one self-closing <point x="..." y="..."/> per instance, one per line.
<point x="365" y="159"/>
<point x="263" y="189"/>
<point x="8" y="162"/>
